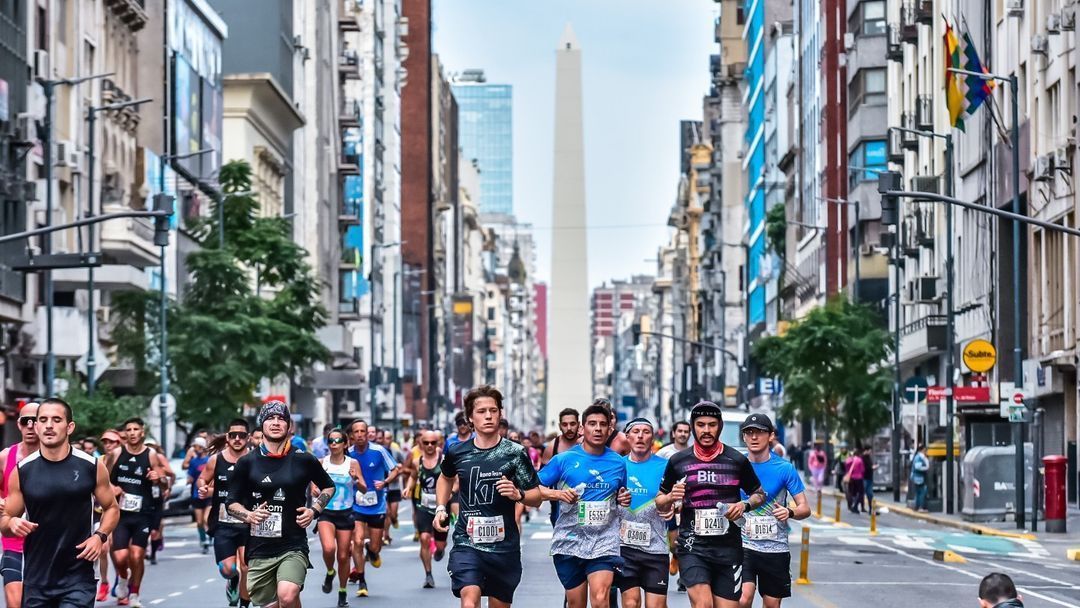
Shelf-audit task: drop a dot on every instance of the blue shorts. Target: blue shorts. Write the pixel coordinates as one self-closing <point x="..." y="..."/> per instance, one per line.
<point x="574" y="571"/>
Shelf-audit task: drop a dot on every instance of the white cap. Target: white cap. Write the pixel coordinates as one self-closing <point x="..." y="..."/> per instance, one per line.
<point x="199" y="442"/>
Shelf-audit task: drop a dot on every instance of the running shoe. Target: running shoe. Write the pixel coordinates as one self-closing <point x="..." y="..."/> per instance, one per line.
<point x="429" y="581"/>
<point x="102" y="592"/>
<point x="439" y="554"/>
<point x="416" y="537"/>
<point x="342" y="599"/>
<point x="134" y="601"/>
<point x="328" y="582"/>
<point x="232" y="590"/>
<point x="354" y="576"/>
<point x="205" y="548"/>
<point x="121" y="589"/>
<point x="122" y="602"/>
<point x="375" y="559"/>
<point x="362" y="591"/>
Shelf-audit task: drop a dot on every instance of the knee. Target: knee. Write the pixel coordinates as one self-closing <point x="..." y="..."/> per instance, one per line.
<point x="227" y="570"/>
<point x="288" y="595"/>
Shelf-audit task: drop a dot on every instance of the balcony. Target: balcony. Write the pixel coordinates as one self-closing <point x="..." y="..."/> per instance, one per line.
<point x="349" y="112"/>
<point x="109" y="277"/>
<point x="922" y="338"/>
<point x="131" y="13"/>
<point x="349" y="15"/>
<point x="349" y="62"/>
<point x="894" y="49"/>
<point x="909" y="26"/>
<point x="908" y="140"/>
<point x="350" y="162"/>
<point x="128" y="241"/>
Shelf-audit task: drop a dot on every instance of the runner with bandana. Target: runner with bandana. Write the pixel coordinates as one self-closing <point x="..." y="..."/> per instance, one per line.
<point x="643" y="530"/>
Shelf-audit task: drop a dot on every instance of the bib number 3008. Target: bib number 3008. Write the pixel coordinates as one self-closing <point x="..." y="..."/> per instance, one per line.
<point x="709" y="522"/>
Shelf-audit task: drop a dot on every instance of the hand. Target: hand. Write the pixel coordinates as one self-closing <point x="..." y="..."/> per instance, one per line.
<point x="380" y="484"/>
<point x="166" y="493"/>
<point x="204" y="490"/>
<point x="507" y="489"/>
<point x="735" y="510"/>
<point x="305" y="516"/>
<point x="153" y="475"/>
<point x="666" y="515"/>
<point x="623" y="498"/>
<point x="569" y="496"/>
<point x="259" y="515"/>
<point x="442" y="520"/>
<point x="21" y="527"/>
<point x="91" y="548"/>
<point x="781" y="513"/>
<point x="678" y="492"/>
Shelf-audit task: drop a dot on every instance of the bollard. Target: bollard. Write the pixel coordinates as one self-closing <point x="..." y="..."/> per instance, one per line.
<point x="837" y="518"/>
<point x="804" y="558"/>
<point x="873" y="519"/>
<point x="819" y="494"/>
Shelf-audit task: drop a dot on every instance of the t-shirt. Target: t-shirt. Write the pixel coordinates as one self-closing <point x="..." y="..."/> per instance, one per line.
<point x="486" y="519"/>
<point x="195" y="468"/>
<point x="855" y="468"/>
<point x="282" y="483"/>
<point x="589" y="529"/>
<point x="454" y="440"/>
<point x="642" y="527"/>
<point x="375" y="463"/>
<point x="668" y="451"/>
<point x="702" y="530"/>
<point x="223" y="474"/>
<point x="781" y="481"/>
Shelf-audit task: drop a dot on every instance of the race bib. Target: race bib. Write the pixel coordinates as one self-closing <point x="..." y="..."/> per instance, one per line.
<point x="427" y="500"/>
<point x="594" y="512"/>
<point x="367" y="499"/>
<point x="709" y="522"/>
<point x="269" y="528"/>
<point x="131" y="502"/>
<point x="762" y="527"/>
<point x="487" y="530"/>
<point x="155" y="491"/>
<point x="635" y="534"/>
<point x="224" y="517"/>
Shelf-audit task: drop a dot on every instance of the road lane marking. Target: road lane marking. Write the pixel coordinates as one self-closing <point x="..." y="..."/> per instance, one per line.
<point x="209" y="580"/>
<point x="193" y="587"/>
<point x="175" y="594"/>
<point x="541" y="535"/>
<point x="157" y="601"/>
<point x="186" y="556"/>
<point x="1014" y="570"/>
<point x="893" y="583"/>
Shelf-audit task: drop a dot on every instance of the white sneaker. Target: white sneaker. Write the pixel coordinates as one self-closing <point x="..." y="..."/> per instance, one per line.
<point x="122" y="589"/>
<point x="135" y="603"/>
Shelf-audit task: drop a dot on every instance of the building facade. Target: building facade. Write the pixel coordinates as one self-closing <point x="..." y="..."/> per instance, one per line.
<point x="486" y="115"/>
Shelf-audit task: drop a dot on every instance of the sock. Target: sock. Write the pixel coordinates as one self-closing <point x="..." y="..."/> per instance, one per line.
<point x="342" y="590"/>
<point x="331" y="572"/>
<point x="427" y="572"/>
<point x="202" y="536"/>
<point x="244" y="603"/>
<point x="134" y="589"/>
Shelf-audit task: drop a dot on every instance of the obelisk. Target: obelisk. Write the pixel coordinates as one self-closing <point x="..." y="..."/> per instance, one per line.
<point x="569" y="371"/>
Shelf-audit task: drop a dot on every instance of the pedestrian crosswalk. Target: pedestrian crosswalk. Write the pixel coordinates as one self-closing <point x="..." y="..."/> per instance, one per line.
<point x="921" y="540"/>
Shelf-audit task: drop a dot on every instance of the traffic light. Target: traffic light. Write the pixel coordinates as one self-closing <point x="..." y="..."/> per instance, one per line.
<point x="889" y="181"/>
<point x="636" y="328"/>
<point x="162" y="202"/>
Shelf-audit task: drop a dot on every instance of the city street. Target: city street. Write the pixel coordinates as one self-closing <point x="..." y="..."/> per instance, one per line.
<point x="848" y="567"/>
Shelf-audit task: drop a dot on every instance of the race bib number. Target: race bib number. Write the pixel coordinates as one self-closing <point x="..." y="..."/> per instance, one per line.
<point x="131" y="502"/>
<point x="635" y="534"/>
<point x="594" y="512"/>
<point x="367" y="499"/>
<point x="224" y="517"/>
<point x="762" y="527"/>
<point x="427" y="500"/>
<point x="269" y="528"/>
<point x="709" y="522"/>
<point x="487" y="530"/>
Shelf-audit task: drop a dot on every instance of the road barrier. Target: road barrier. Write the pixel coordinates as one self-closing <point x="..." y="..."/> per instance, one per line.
<point x="819" y="494"/>
<point x="873" y="519"/>
<point x="804" y="558"/>
<point x="837" y="518"/>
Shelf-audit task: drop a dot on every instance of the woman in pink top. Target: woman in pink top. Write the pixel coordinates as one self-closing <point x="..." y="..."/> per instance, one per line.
<point x="817" y="463"/>
<point x="11" y="566"/>
<point x="854" y="471"/>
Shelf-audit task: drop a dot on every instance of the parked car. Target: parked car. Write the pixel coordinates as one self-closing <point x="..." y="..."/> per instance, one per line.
<point x="179" y="501"/>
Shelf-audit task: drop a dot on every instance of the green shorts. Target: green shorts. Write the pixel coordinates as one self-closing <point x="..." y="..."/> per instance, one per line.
<point x="264" y="574"/>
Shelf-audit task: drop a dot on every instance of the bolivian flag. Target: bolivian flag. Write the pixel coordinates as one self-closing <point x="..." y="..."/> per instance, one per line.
<point x="963" y="93"/>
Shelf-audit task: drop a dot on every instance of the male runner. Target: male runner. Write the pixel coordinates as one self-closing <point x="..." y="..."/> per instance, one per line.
<point x="160" y="493"/>
<point x="379" y="469"/>
<point x="199" y="505"/>
<point x="643" y="533"/>
<point x="493" y="475"/>
<point x="230" y="534"/>
<point x="12" y="564"/>
<point x="110" y="440"/>
<point x="570" y="429"/>
<point x="269" y="491"/>
<point x="616" y="439"/>
<point x="393" y="490"/>
<point x="766" y="556"/>
<point x="423" y="476"/>
<point x="706" y="481"/>
<point x="464" y="432"/>
<point x="51" y="504"/>
<point x="134" y="470"/>
<point x="585" y="545"/>
<point x="680" y="440"/>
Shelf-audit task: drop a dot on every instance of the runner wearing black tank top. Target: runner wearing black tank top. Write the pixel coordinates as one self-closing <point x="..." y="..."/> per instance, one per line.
<point x="569" y="426"/>
<point x="230" y="534"/>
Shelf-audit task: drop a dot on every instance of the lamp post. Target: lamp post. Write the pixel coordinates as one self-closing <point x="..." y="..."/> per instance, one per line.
<point x="91" y="119"/>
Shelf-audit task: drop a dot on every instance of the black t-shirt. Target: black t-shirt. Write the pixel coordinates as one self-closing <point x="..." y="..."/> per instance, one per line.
<point x="130" y="473"/>
<point x="709" y="483"/>
<point x="282" y="483"/>
<point x="223" y="473"/>
<point x="59" y="497"/>
<point x="478" y="470"/>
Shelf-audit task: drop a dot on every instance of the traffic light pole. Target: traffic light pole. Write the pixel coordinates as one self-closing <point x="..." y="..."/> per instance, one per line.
<point x="97" y="219"/>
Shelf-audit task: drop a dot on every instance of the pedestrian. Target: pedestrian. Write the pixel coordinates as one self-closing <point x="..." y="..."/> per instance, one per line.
<point x="920" y="464"/>
<point x="319" y="448"/>
<point x="853" y="480"/>
<point x="869" y="466"/>
<point x="817" y="463"/>
<point x="996" y="590"/>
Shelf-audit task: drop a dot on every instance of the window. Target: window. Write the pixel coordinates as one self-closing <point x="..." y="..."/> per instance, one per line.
<point x="867" y="87"/>
<point x="868" y="19"/>
<point x="740" y="15"/>
<point x="866" y="161"/>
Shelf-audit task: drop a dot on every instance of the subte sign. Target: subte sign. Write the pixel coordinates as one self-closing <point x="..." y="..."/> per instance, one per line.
<point x="980" y="356"/>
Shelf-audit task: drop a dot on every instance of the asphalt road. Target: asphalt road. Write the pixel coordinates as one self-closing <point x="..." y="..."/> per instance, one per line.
<point x="848" y="567"/>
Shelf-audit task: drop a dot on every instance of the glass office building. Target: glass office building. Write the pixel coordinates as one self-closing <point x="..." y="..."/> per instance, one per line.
<point x="485" y="133"/>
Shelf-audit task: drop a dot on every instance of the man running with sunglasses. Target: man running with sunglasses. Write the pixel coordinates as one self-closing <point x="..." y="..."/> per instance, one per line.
<point x="229" y="533"/>
<point x="423" y="479"/>
<point x="11" y="567"/>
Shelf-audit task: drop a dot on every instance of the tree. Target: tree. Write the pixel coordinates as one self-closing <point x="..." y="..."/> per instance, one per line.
<point x="250" y="310"/>
<point x="102" y="410"/>
<point x="833" y="366"/>
<point x="776" y="229"/>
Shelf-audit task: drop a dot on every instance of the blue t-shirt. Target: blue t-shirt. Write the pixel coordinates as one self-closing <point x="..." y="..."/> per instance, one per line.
<point x="781" y="482"/>
<point x="599" y="478"/>
<point x="375" y="463"/>
<point x="643" y="482"/>
<point x="454" y="440"/>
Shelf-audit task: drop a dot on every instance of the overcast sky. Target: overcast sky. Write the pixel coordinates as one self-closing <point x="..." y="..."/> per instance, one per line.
<point x="645" y="67"/>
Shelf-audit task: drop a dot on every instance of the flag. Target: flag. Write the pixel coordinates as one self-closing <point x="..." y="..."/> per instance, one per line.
<point x="963" y="93"/>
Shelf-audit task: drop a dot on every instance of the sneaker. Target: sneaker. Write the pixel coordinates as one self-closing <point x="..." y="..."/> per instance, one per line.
<point x="122" y="602"/>
<point x="354" y="575"/>
<point x="121" y="589"/>
<point x="439" y="554"/>
<point x="375" y="559"/>
<point x="153" y="558"/>
<point x="362" y="591"/>
<point x="205" y="548"/>
<point x="342" y="599"/>
<point x="328" y="582"/>
<point x="102" y="592"/>
<point x="415" y="537"/>
<point x="116" y="581"/>
<point x="682" y="587"/>
<point x="232" y="590"/>
<point x="429" y="581"/>
<point x="134" y="601"/>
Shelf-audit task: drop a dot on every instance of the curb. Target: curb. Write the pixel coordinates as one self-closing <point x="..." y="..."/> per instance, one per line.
<point x="1073" y="554"/>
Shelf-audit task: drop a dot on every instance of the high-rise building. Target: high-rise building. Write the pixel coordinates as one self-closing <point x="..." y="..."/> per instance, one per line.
<point x="485" y="112"/>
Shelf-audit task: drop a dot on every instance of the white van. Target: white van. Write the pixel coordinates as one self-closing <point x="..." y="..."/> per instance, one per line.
<point x="730" y="433"/>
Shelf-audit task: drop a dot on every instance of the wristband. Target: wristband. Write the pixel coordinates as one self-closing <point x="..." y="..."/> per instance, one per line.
<point x="104" y="537"/>
<point x="441" y="508"/>
<point x="790" y="513"/>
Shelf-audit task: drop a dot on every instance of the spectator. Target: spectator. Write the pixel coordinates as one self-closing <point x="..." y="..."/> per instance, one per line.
<point x="920" y="464"/>
<point x="319" y="449"/>
<point x="868" y="476"/>
<point x="853" y="479"/>
<point x="817" y="463"/>
<point x="998" y="591"/>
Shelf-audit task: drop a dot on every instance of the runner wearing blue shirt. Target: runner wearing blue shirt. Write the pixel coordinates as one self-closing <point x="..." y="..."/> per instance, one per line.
<point x="379" y="469"/>
<point x="643" y="533"/>
<point x="585" y="545"/>
<point x="766" y="556"/>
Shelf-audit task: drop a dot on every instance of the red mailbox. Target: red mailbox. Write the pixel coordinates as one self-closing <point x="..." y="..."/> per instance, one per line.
<point x="1055" y="492"/>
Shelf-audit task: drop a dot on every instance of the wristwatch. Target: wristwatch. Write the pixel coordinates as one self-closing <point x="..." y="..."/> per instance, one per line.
<point x="104" y="537"/>
<point x="790" y="513"/>
<point x="746" y="506"/>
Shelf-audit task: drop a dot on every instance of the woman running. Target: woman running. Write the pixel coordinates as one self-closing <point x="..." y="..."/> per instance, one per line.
<point x="336" y="522"/>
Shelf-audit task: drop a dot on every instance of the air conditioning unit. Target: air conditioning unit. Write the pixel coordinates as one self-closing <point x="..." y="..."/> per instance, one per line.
<point x="67" y="155"/>
<point x="1068" y="19"/>
<point x="42" y="68"/>
<point x="1062" y="162"/>
<point x="894" y="146"/>
<point x="909" y="28"/>
<point x="926" y="183"/>
<point x="1014" y="8"/>
<point x="1043" y="171"/>
<point x="403" y="27"/>
<point x="1040" y="44"/>
<point x="1053" y="23"/>
<point x="924" y="113"/>
<point x="894" y="50"/>
<point x="849" y="41"/>
<point x="924" y="12"/>
<point x="924" y="289"/>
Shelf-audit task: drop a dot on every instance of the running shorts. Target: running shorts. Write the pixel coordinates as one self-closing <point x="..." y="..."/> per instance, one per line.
<point x="393" y="495"/>
<point x="200" y="503"/>
<point x="725" y="580"/>
<point x="11" y="567"/>
<point x="771" y="572"/>
<point x="425" y="524"/>
<point x="573" y="571"/>
<point x="64" y="596"/>
<point x="264" y="574"/>
<point x="497" y="574"/>
<point x="372" y="521"/>
<point x="133" y="530"/>
<point x="228" y="539"/>
<point x="341" y="518"/>
<point x="648" y="571"/>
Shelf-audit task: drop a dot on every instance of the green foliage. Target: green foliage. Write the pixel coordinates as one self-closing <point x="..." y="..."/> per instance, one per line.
<point x="102" y="410"/>
<point x="250" y="311"/>
<point x="776" y="229"/>
<point x="833" y="366"/>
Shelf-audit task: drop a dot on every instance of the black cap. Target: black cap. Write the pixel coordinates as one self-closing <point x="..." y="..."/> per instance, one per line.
<point x="757" y="421"/>
<point x="705" y="408"/>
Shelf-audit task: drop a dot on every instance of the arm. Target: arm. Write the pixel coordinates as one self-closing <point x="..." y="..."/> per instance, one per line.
<point x="547" y="455"/>
<point x="187" y="458"/>
<point x="110" y="515"/>
<point x="443" y="490"/>
<point x="321" y="479"/>
<point x="357" y="475"/>
<point x="12" y="523"/>
<point x="411" y="477"/>
<point x="205" y="483"/>
<point x="672" y="489"/>
<point x="801" y="510"/>
<point x="241" y="490"/>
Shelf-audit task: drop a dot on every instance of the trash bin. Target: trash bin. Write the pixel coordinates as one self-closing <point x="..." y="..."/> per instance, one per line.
<point x="988" y="475"/>
<point x="1055" y="493"/>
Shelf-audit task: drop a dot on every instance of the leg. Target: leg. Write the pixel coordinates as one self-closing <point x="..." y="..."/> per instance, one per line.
<point x="13" y="594"/>
<point x="343" y="537"/>
<point x="655" y="600"/>
<point x="327" y="538"/>
<point x="719" y="602"/>
<point x="120" y="561"/>
<point x="288" y="595"/>
<point x="103" y="562"/>
<point x="578" y="597"/>
<point x="375" y="541"/>
<point x="600" y="587"/>
<point x="770" y="602"/>
<point x="631" y="598"/>
<point x="470" y="597"/>
<point x="425" y="550"/>
<point x="245" y="596"/>
<point x="228" y="568"/>
<point x="701" y="596"/>
<point x="748" y="590"/>
<point x="359" y="534"/>
<point x="136" y="556"/>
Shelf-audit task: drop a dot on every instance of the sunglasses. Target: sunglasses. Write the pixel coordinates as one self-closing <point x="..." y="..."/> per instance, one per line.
<point x="27" y="420"/>
<point x="429" y="443"/>
<point x="335" y="441"/>
<point x="233" y="435"/>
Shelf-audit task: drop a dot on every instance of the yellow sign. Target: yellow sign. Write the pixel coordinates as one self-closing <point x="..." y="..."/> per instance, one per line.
<point x="980" y="356"/>
<point x="463" y="307"/>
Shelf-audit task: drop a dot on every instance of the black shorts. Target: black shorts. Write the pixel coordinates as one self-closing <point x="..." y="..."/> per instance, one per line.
<point x="725" y="580"/>
<point x="133" y="530"/>
<point x="228" y="538"/>
<point x="425" y="524"/>
<point x="771" y="572"/>
<point x="648" y="571"/>
<point x="497" y="574"/>
<point x="372" y="521"/>
<point x="393" y="495"/>
<point x="341" y="518"/>
<point x="80" y="595"/>
<point x="200" y="503"/>
<point x="11" y="566"/>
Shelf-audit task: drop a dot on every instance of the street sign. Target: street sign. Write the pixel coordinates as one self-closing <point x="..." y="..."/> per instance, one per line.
<point x="980" y="356"/>
<point x="961" y="394"/>
<point x="170" y="403"/>
<point x="915" y="389"/>
<point x="1013" y="406"/>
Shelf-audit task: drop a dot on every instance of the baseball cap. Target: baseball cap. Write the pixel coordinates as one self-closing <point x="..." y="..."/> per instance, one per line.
<point x="111" y="435"/>
<point x="757" y="421"/>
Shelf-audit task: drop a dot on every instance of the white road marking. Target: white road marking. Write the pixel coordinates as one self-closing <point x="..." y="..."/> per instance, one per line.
<point x="541" y="536"/>
<point x="187" y="556"/>
<point x="892" y="583"/>
<point x="157" y="601"/>
<point x="1013" y="570"/>
<point x="175" y="594"/>
<point x="193" y="587"/>
<point x="855" y="540"/>
<point x="209" y="580"/>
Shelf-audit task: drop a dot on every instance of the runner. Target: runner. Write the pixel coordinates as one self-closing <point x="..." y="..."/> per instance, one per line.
<point x="11" y="567"/>
<point x="570" y="427"/>
<point x="585" y="545"/>
<point x="336" y="522"/>
<point x="269" y="491"/>
<point x="369" y="515"/>
<point x="464" y="432"/>
<point x="393" y="492"/>
<point x="493" y="474"/>
<point x="766" y="556"/>
<point x="680" y="440"/>
<point x="643" y="531"/>
<point x="50" y="504"/>
<point x="706" y="481"/>
<point x="110" y="440"/>
<point x="160" y="493"/>
<point x="134" y="470"/>
<point x="616" y="440"/>
<point x="256" y="440"/>
<point x="423" y="477"/>
<point x="230" y="534"/>
<point x="199" y="505"/>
